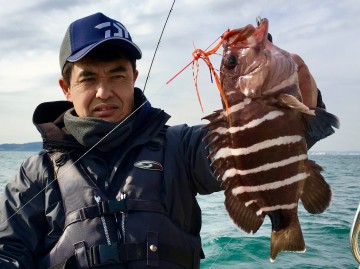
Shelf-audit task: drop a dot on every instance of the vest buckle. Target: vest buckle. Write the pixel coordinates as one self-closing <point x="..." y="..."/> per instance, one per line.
<point x="104" y="254"/>
<point x="112" y="206"/>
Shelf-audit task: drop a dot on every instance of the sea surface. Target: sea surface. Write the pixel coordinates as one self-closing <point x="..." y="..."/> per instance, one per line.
<point x="226" y="246"/>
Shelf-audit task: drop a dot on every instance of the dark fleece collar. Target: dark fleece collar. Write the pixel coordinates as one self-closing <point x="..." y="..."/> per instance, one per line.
<point x="59" y="125"/>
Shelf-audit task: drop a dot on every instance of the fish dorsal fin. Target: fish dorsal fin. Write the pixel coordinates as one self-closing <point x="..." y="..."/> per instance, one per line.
<point x="292" y="102"/>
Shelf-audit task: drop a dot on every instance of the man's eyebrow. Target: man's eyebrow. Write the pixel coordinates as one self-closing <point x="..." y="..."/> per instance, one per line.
<point x="86" y="73"/>
<point x="119" y="68"/>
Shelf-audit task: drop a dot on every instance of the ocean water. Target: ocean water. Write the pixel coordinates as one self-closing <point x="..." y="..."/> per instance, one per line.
<point x="226" y="246"/>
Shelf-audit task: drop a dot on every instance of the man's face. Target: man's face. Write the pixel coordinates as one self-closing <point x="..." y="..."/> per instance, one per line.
<point x="102" y="90"/>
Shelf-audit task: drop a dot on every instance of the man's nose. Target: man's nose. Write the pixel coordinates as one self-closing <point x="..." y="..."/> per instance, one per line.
<point x="104" y="90"/>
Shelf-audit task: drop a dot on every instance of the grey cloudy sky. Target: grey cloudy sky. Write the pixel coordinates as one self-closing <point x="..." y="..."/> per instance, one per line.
<point x="324" y="33"/>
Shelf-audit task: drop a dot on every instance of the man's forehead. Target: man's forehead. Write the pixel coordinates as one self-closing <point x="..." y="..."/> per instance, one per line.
<point x="101" y="66"/>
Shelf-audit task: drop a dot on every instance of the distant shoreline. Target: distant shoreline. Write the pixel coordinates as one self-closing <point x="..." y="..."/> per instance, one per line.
<point x="32" y="146"/>
<point x="37" y="146"/>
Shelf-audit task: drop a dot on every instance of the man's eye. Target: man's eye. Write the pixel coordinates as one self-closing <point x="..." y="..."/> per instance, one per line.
<point x="118" y="76"/>
<point x="89" y="79"/>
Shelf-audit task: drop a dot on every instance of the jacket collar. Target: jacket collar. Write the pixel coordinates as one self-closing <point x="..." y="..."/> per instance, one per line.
<point x="48" y="118"/>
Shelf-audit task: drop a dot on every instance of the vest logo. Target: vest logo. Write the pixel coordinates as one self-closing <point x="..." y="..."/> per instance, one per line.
<point x="113" y="29"/>
<point x="149" y="165"/>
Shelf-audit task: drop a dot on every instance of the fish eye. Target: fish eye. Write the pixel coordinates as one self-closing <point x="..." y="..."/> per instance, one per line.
<point x="230" y="61"/>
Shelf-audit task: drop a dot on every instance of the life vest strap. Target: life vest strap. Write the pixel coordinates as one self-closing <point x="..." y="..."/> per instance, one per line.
<point x="113" y="206"/>
<point x="123" y="253"/>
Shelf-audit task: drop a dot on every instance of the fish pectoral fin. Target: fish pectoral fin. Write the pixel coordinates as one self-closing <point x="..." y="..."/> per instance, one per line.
<point x="291" y="101"/>
<point x="243" y="216"/>
<point x="317" y="121"/>
<point x="290" y="238"/>
<point x="319" y="126"/>
<point x="316" y="195"/>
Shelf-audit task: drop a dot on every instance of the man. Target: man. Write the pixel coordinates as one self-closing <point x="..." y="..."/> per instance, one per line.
<point x="114" y="186"/>
<point x="130" y="199"/>
<point x="311" y="96"/>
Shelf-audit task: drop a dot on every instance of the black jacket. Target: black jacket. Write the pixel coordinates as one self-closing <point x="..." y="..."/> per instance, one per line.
<point x="31" y="208"/>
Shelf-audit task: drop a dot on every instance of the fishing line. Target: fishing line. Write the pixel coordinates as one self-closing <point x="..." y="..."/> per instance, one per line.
<point x="217" y="257"/>
<point x="76" y="161"/>
<point x="157" y="46"/>
<point x="82" y="156"/>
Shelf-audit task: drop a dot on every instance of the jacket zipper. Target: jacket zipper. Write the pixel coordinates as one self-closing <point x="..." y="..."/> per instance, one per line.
<point x="106" y="231"/>
<point x="123" y="196"/>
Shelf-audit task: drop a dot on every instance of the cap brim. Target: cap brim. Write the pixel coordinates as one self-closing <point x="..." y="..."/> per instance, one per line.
<point x="131" y="49"/>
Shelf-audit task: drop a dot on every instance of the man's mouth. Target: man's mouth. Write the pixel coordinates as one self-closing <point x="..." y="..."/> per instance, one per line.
<point x="104" y="110"/>
<point x="105" y="107"/>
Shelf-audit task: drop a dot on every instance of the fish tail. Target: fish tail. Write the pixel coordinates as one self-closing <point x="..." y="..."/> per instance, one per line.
<point x="288" y="239"/>
<point x="316" y="196"/>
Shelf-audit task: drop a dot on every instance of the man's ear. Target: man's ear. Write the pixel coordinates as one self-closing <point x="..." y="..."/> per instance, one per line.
<point x="65" y="88"/>
<point x="136" y="74"/>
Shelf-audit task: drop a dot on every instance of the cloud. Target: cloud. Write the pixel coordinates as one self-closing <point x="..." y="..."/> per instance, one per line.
<point x="325" y="35"/>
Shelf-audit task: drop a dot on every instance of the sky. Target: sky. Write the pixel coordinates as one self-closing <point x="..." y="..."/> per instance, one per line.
<point x="324" y="33"/>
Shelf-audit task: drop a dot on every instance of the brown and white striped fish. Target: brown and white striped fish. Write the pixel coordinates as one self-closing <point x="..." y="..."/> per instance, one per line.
<point x="258" y="141"/>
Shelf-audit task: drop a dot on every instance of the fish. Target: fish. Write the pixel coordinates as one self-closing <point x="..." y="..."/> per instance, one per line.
<point x="259" y="140"/>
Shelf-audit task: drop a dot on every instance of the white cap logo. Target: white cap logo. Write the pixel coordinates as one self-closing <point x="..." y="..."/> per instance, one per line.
<point x="120" y="29"/>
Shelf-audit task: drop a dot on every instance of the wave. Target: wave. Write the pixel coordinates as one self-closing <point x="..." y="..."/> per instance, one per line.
<point x="346" y="153"/>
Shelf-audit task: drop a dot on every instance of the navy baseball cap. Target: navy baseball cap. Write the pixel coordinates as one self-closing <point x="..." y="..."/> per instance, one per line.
<point x="86" y="33"/>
